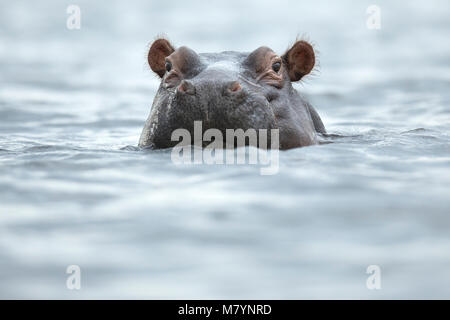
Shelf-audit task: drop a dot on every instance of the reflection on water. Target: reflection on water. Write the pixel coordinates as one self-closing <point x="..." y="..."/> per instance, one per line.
<point x="75" y="190"/>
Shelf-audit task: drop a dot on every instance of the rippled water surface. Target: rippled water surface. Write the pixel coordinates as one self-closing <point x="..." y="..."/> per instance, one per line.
<point x="75" y="190"/>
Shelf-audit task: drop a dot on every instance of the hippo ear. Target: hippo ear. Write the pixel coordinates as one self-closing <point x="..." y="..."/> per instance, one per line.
<point x="299" y="60"/>
<point x="157" y="54"/>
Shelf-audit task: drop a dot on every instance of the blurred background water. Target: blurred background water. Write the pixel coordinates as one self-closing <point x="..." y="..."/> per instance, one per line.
<point x="74" y="190"/>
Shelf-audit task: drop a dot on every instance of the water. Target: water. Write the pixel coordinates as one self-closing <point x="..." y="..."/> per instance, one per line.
<point x="75" y="190"/>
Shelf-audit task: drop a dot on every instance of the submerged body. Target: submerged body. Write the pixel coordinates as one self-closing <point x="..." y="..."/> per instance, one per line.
<point x="231" y="90"/>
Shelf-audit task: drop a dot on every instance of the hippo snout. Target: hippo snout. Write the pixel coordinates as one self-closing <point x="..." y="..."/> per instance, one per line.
<point x="219" y="93"/>
<point x="227" y="88"/>
<point x="212" y="101"/>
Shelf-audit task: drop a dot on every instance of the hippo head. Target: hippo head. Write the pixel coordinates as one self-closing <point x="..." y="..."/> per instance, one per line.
<point x="229" y="90"/>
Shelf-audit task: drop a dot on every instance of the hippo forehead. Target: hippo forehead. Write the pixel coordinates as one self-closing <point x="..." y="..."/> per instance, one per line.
<point x="231" y="57"/>
<point x="228" y="62"/>
<point x="233" y="62"/>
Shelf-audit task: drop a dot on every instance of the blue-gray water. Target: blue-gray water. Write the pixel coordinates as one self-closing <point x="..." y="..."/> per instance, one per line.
<point x="74" y="190"/>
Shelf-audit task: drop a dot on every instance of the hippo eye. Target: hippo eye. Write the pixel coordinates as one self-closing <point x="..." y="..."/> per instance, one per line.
<point x="276" y="66"/>
<point x="168" y="66"/>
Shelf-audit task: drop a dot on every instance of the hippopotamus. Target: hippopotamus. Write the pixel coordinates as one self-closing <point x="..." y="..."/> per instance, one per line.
<point x="231" y="90"/>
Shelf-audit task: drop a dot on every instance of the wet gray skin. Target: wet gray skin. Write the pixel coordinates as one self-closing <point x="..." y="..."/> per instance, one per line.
<point x="231" y="90"/>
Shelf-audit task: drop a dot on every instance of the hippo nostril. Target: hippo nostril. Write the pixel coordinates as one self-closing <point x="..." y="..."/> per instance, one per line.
<point x="186" y="87"/>
<point x="272" y="96"/>
<point x="235" y="86"/>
